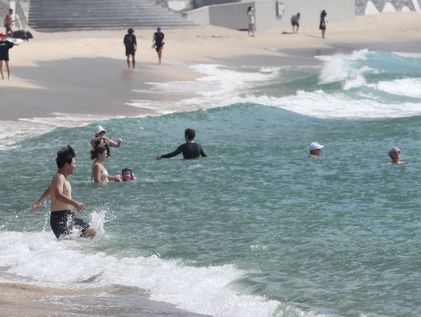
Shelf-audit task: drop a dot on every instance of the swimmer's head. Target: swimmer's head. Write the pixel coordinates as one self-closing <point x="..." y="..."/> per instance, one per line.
<point x="130" y="31"/>
<point x="99" y="130"/>
<point x="65" y="155"/>
<point x="189" y="134"/>
<point x="127" y="175"/>
<point x="158" y="29"/>
<point x="98" y="151"/>
<point x="394" y="152"/>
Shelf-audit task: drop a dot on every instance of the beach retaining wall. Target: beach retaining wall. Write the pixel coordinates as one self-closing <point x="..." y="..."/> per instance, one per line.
<point x="364" y="7"/>
<point x="272" y="13"/>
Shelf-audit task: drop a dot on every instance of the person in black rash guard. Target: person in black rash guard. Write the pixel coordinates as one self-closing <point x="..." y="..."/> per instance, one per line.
<point x="190" y="149"/>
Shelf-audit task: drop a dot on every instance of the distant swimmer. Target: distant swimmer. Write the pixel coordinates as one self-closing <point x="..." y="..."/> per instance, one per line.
<point x="99" y="172"/>
<point x="190" y="149"/>
<point x="295" y="22"/>
<point x="395" y="155"/>
<point x="101" y="139"/>
<point x="130" y="44"/>
<point x="63" y="221"/>
<point x="315" y="149"/>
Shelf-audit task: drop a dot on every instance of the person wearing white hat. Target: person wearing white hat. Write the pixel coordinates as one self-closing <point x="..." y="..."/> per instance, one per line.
<point x="101" y="139"/>
<point x="315" y="149"/>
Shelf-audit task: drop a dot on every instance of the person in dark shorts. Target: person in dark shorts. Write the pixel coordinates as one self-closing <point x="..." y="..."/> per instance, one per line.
<point x="5" y="46"/>
<point x="8" y="20"/>
<point x="63" y="221"/>
<point x="322" y="25"/>
<point x="158" y="43"/>
<point x="131" y="46"/>
<point x="190" y="149"/>
<point x="295" y="22"/>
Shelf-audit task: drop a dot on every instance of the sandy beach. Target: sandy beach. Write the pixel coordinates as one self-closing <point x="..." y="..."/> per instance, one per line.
<point x="85" y="74"/>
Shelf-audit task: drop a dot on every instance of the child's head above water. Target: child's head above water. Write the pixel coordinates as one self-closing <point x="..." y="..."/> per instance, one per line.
<point x="127" y="175"/>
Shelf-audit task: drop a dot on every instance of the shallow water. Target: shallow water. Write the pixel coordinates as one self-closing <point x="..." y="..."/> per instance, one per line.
<point x="256" y="228"/>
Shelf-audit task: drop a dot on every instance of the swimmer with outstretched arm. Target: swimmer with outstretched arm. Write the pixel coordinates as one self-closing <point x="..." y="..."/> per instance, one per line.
<point x="63" y="220"/>
<point x="190" y="149"/>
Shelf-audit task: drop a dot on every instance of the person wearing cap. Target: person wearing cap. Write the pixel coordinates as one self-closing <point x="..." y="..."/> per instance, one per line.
<point x="5" y="46"/>
<point x="131" y="46"/>
<point x="315" y="149"/>
<point x="395" y="155"/>
<point x="101" y="139"/>
<point x="158" y="42"/>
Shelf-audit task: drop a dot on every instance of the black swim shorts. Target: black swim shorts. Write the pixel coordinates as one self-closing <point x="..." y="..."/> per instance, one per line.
<point x="64" y="221"/>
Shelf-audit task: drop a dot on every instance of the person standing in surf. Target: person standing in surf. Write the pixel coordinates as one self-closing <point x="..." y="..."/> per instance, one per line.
<point x="131" y="46"/>
<point x="190" y="149"/>
<point x="63" y="221"/>
<point x="395" y="155"/>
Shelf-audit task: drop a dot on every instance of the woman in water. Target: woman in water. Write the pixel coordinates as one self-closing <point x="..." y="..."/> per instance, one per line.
<point x="99" y="172"/>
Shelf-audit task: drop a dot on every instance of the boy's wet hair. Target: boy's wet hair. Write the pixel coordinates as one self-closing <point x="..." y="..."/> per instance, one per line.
<point x="97" y="150"/>
<point x="190" y="134"/>
<point x="65" y="155"/>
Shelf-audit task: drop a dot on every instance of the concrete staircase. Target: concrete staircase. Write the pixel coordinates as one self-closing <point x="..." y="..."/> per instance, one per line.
<point x="59" y="15"/>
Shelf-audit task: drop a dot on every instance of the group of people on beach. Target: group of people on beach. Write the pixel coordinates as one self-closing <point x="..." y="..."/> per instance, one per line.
<point x="130" y="43"/>
<point x="63" y="220"/>
<point x="295" y="22"/>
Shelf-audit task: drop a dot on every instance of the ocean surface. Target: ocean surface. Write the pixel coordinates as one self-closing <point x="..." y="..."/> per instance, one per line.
<point x="256" y="228"/>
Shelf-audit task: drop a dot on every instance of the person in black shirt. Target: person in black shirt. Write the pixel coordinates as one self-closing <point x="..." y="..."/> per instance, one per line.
<point x="158" y="43"/>
<point x="4" y="55"/>
<point x="131" y="46"/>
<point x="322" y="25"/>
<point x="190" y="149"/>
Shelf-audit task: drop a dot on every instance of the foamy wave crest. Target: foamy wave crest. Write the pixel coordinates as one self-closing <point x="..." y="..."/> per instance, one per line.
<point x="322" y="105"/>
<point x="342" y="68"/>
<point x="409" y="87"/>
<point x="217" y="84"/>
<point x="43" y="260"/>
<point x="11" y="132"/>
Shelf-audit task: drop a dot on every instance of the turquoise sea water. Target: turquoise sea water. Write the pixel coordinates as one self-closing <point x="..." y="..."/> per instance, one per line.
<point x="256" y="228"/>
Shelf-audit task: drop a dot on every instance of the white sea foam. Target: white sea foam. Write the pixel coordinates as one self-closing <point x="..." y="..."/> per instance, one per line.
<point x="322" y="105"/>
<point x="342" y="68"/>
<point x="12" y="132"/>
<point x="216" y="85"/>
<point x="43" y="260"/>
<point x="410" y="87"/>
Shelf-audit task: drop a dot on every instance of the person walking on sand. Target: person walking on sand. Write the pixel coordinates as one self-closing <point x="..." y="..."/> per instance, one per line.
<point x="190" y="149"/>
<point x="295" y="22"/>
<point x="5" y="46"/>
<point x="322" y="25"/>
<point x="158" y="42"/>
<point x="63" y="221"/>
<point x="251" y="15"/>
<point x="8" y="20"/>
<point x="131" y="46"/>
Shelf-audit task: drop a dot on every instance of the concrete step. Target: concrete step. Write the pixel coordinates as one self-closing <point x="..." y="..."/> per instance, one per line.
<point x="85" y="14"/>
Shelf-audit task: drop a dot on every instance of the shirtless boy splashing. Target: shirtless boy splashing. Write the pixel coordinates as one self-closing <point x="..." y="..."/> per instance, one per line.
<point x="63" y="220"/>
